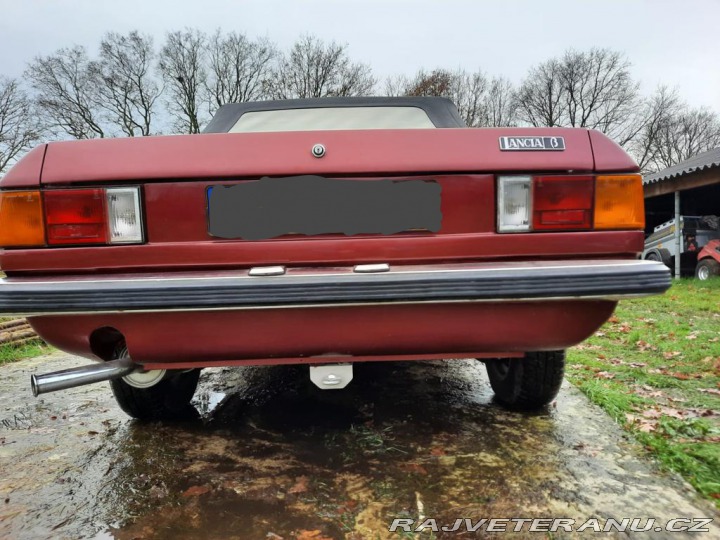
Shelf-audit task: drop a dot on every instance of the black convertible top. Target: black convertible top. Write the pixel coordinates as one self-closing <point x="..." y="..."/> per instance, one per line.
<point x="441" y="111"/>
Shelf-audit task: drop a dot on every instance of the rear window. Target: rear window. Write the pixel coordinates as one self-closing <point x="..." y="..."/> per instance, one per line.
<point x="326" y="118"/>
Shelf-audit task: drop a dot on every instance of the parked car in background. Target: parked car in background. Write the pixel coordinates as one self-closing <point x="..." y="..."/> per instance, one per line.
<point x="322" y="232"/>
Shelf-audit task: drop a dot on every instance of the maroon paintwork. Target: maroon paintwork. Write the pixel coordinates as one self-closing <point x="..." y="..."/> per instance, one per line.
<point x="175" y="172"/>
<point x="214" y="337"/>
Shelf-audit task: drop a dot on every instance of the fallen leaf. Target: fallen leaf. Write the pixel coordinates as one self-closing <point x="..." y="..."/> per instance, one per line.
<point x="413" y="467"/>
<point x="713" y="391"/>
<point x="613" y="320"/>
<point x="437" y="451"/>
<point x="645" y="346"/>
<point x="605" y="375"/>
<point x="673" y="413"/>
<point x="301" y="485"/>
<point x="194" y="491"/>
<point x="647" y="427"/>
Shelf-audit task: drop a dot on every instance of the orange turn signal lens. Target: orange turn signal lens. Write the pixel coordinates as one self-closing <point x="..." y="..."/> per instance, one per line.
<point x="21" y="219"/>
<point x="619" y="202"/>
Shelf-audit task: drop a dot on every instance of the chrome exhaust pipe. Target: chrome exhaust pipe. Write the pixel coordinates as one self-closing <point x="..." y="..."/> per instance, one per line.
<point x="80" y="376"/>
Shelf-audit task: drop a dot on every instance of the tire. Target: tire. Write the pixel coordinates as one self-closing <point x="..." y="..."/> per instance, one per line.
<point x="167" y="400"/>
<point x="527" y="383"/>
<point x="662" y="255"/>
<point x="706" y="269"/>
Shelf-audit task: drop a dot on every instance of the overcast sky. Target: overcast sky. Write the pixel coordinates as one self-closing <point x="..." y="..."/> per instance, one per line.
<point x="669" y="42"/>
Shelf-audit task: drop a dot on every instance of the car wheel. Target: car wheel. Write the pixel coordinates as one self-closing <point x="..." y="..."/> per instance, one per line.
<point x="527" y="383"/>
<point x="663" y="255"/>
<point x="168" y="399"/>
<point x="706" y="269"/>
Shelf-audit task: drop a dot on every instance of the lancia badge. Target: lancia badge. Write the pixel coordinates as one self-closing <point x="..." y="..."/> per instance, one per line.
<point x="529" y="143"/>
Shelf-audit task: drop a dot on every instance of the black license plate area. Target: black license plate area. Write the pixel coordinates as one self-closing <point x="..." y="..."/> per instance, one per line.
<point x="313" y="205"/>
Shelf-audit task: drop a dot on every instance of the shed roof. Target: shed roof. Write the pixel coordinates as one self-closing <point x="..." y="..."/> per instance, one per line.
<point x="700" y="162"/>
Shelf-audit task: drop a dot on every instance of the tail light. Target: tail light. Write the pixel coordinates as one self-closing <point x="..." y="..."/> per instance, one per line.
<point x="619" y="202"/>
<point x="67" y="217"/>
<point x="75" y="216"/>
<point x="577" y="203"/>
<point x="124" y="219"/>
<point x="21" y="219"/>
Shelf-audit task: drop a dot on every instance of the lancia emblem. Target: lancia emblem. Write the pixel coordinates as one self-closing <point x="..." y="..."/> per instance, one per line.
<point x="318" y="150"/>
<point x="529" y="143"/>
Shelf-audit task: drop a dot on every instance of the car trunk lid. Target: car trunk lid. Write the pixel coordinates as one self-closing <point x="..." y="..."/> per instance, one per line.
<point x="347" y="153"/>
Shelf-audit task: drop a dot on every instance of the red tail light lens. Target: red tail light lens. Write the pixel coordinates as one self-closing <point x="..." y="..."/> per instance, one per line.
<point x="76" y="216"/>
<point x="562" y="202"/>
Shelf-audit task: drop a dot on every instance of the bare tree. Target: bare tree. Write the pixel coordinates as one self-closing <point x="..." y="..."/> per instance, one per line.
<point x="438" y="82"/>
<point x="396" y="85"/>
<point x="540" y="97"/>
<point x="590" y="89"/>
<point x="656" y="114"/>
<point x="687" y="133"/>
<point x="501" y="105"/>
<point x="182" y="64"/>
<point x="672" y="132"/>
<point x="313" y="68"/>
<point x="128" y="89"/>
<point x="18" y="127"/>
<point x="67" y="93"/>
<point x="469" y="93"/>
<point x="239" y="68"/>
<point x="480" y="102"/>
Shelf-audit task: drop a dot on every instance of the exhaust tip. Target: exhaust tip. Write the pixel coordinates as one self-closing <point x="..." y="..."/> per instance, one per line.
<point x="34" y="386"/>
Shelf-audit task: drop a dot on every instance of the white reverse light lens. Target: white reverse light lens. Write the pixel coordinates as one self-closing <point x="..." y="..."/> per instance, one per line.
<point x="124" y="215"/>
<point x="513" y="204"/>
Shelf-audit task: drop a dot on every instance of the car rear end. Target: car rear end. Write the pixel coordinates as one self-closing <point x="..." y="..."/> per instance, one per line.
<point x="512" y="241"/>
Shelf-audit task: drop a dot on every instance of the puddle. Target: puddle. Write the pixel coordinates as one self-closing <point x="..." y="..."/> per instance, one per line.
<point x="270" y="456"/>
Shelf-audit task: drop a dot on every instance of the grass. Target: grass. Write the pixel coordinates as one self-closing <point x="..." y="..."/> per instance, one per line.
<point x="655" y="368"/>
<point x="13" y="353"/>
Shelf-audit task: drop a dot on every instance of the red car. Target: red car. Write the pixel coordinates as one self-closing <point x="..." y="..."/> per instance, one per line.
<point x="322" y="232"/>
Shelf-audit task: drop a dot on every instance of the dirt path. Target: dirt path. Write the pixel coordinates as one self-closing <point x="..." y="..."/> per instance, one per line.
<point x="270" y="456"/>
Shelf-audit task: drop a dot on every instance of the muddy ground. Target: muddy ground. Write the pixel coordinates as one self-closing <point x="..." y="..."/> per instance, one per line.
<point x="270" y="456"/>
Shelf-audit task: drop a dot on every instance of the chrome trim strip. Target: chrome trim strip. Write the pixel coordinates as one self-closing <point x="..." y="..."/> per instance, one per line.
<point x="320" y="272"/>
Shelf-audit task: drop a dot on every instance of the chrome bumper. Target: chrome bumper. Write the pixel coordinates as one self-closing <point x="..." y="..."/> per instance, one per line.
<point x="308" y="287"/>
